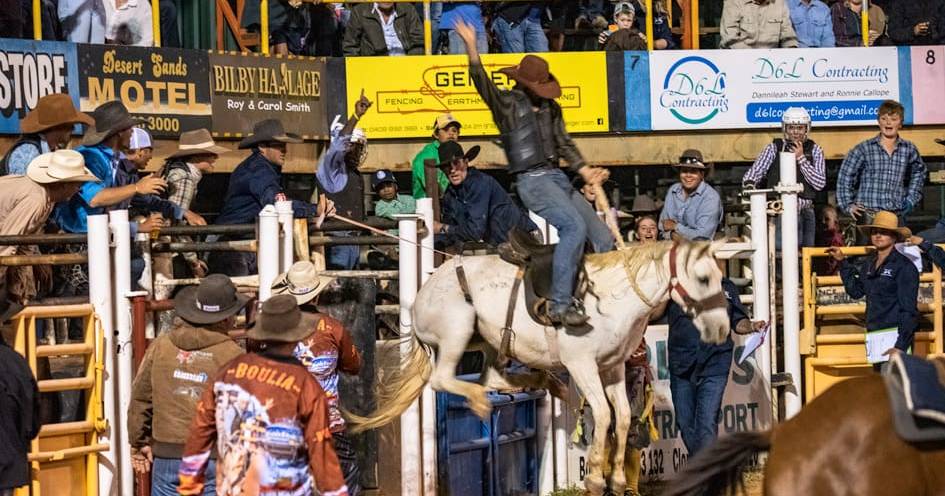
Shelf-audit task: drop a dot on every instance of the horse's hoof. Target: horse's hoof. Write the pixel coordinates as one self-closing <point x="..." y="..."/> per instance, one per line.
<point x="482" y="409"/>
<point x="595" y="485"/>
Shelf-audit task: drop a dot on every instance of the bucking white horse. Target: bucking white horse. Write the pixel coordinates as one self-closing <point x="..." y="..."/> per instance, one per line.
<point x="626" y="288"/>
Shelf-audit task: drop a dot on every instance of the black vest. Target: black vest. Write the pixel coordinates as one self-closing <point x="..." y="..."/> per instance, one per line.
<point x="30" y="139"/>
<point x="774" y="172"/>
<point x="532" y="142"/>
<point x="349" y="202"/>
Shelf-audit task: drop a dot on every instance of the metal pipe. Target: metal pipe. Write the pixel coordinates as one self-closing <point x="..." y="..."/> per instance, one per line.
<point x="243" y="245"/>
<point x="60" y="300"/>
<point x="66" y="428"/>
<point x="264" y="26"/>
<point x="427" y="398"/>
<point x="865" y="22"/>
<point x="46" y="312"/>
<point x="49" y="350"/>
<point x="100" y="294"/>
<point x="42" y="239"/>
<point x="37" y="20"/>
<point x="214" y="229"/>
<point x="156" y="25"/>
<point x="267" y="257"/>
<point x="760" y="309"/>
<point x="836" y="281"/>
<point x="121" y="273"/>
<point x="427" y="29"/>
<point x="694" y="19"/>
<point x="287" y="223"/>
<point x="49" y="259"/>
<point x="139" y="340"/>
<point x="55" y="385"/>
<point x="789" y="305"/>
<point x="143" y="243"/>
<point x="410" y="445"/>
<point x="860" y="338"/>
<point x="649" y="26"/>
<point x="48" y="456"/>
<point x="353" y="240"/>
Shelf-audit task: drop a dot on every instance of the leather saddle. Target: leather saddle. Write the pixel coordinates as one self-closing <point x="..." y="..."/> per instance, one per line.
<point x="523" y="250"/>
<point x="916" y="389"/>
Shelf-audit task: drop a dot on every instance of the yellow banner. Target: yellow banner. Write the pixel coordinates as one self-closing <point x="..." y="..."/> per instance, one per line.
<point x="409" y="92"/>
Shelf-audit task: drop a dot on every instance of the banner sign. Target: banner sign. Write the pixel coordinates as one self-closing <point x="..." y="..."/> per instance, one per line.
<point x="30" y="70"/>
<point x="247" y="88"/>
<point x="751" y="88"/>
<point x="409" y="92"/>
<point x="746" y="406"/>
<point x="165" y="86"/>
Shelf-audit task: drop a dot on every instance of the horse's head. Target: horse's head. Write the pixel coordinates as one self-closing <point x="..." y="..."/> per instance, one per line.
<point x="696" y="286"/>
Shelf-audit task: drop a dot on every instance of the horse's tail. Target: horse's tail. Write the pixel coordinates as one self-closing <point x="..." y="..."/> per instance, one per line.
<point x="397" y="386"/>
<point x="719" y="467"/>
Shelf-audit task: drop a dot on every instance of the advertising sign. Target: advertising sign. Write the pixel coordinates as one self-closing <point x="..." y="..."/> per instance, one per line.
<point x="165" y="86"/>
<point x="746" y="406"/>
<point x="752" y="88"/>
<point x="409" y="92"/>
<point x="928" y="84"/>
<point x="30" y="70"/>
<point x="247" y="88"/>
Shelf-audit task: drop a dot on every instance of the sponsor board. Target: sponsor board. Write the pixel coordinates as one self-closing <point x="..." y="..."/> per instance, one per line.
<point x="30" y="70"/>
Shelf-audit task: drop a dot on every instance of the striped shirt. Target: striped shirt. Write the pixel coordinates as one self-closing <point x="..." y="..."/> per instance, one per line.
<point x="814" y="173"/>
<point x="877" y="180"/>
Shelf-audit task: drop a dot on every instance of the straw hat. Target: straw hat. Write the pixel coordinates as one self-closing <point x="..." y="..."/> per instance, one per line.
<point x="60" y="166"/>
<point x="887" y="221"/>
<point x="52" y="111"/>
<point x="197" y="142"/>
<point x="301" y="281"/>
<point x="110" y="118"/>
<point x="533" y="73"/>
<point x="280" y="319"/>
<point x="214" y="300"/>
<point x="268" y="131"/>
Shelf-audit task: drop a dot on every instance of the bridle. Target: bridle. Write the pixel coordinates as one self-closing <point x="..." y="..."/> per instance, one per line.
<point x="692" y="306"/>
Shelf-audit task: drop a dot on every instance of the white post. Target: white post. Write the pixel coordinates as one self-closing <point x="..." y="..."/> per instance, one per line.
<point x="267" y="252"/>
<point x="100" y="295"/>
<point x="428" y="398"/>
<point x="759" y="274"/>
<point x="410" y="440"/>
<point x="791" y="324"/>
<point x="143" y="241"/>
<point x="287" y="223"/>
<point x="121" y="280"/>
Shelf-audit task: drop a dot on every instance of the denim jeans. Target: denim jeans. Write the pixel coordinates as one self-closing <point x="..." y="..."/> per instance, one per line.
<point x="549" y="194"/>
<point x="456" y="45"/>
<point x="164" y="479"/>
<point x="526" y="36"/>
<point x="806" y="228"/>
<point x="348" y="459"/>
<point x="83" y="21"/>
<point x="697" y="401"/>
<point x="342" y="257"/>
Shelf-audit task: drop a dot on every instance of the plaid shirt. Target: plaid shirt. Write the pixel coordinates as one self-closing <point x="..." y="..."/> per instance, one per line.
<point x="182" y="188"/>
<point x="814" y="173"/>
<point x="879" y="181"/>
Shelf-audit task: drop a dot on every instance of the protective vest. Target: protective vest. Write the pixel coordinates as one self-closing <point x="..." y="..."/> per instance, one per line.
<point x="531" y="143"/>
<point x="349" y="202"/>
<point x="774" y="172"/>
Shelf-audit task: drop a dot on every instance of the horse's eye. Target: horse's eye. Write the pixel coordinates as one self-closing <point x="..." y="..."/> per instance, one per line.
<point x="704" y="281"/>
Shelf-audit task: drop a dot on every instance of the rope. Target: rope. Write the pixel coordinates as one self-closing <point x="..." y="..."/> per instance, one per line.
<point x="381" y="232"/>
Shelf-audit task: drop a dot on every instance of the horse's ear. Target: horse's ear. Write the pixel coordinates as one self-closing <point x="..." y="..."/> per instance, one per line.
<point x="717" y="245"/>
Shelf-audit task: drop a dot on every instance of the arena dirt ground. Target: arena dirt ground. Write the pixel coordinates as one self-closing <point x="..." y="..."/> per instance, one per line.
<point x="753" y="487"/>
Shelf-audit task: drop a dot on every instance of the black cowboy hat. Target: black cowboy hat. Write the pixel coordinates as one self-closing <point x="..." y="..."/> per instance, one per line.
<point x="214" y="300"/>
<point x="110" y="118"/>
<point x="280" y="319"/>
<point x="452" y="150"/>
<point x="268" y="131"/>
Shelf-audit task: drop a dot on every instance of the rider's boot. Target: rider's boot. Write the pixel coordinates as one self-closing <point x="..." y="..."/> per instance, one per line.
<point x="571" y="316"/>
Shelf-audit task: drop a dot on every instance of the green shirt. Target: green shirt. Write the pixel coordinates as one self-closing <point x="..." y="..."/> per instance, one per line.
<point x="432" y="152"/>
<point x="403" y="204"/>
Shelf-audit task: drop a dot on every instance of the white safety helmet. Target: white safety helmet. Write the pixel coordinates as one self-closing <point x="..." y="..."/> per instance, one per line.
<point x="796" y="115"/>
<point x="359" y="136"/>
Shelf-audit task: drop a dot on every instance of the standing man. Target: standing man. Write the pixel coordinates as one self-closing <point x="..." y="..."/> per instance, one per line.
<point x="255" y="183"/>
<point x="534" y="138"/>
<point x="267" y="417"/>
<point x="383" y="28"/>
<point x="693" y="209"/>
<point x="445" y="128"/>
<point x="756" y="24"/>
<point x="174" y="374"/>
<point x="47" y="128"/>
<point x="517" y="26"/>
<point x="812" y="23"/>
<point x="795" y="125"/>
<point x="885" y="172"/>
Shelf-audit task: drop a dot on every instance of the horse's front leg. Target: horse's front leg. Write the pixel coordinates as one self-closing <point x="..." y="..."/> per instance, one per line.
<point x="616" y="390"/>
<point x="587" y="377"/>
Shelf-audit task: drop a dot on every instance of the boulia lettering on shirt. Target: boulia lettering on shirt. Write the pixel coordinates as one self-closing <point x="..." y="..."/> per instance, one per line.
<point x="266" y="81"/>
<point x="265" y="375"/>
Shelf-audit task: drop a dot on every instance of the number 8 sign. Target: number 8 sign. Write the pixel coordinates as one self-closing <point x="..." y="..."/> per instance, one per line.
<point x="928" y="79"/>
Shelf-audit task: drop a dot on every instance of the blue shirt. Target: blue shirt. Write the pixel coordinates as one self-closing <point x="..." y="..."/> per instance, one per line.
<point x="688" y="354"/>
<point x="72" y="216"/>
<point x="468" y="11"/>
<point x="879" y="181"/>
<point x="22" y="155"/>
<point x="480" y="210"/>
<point x="812" y="23"/>
<point x="255" y="183"/>
<point x="697" y="216"/>
<point x="891" y="291"/>
<point x="331" y="173"/>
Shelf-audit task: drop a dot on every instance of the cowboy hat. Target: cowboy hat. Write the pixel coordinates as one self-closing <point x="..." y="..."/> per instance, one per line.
<point x="268" y="131"/>
<point x="643" y="204"/>
<point x="532" y="72"/>
<point x="197" y="142"/>
<point x="887" y="221"/>
<point x="51" y="111"/>
<point x="691" y="159"/>
<point x="60" y="166"/>
<point x="452" y="150"/>
<point x="110" y="118"/>
<point x="301" y="281"/>
<point x="214" y="300"/>
<point x="280" y="319"/>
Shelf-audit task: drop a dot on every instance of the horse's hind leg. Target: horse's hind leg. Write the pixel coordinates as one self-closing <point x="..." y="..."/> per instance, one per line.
<point x="616" y="390"/>
<point x="452" y="344"/>
<point x="587" y="377"/>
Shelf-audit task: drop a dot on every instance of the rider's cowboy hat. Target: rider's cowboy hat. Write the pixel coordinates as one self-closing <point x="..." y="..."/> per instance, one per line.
<point x="280" y="319"/>
<point x="197" y="142"/>
<point x="452" y="150"/>
<point x="533" y="73"/>
<point x="691" y="159"/>
<point x="60" y="166"/>
<point x="110" y="118"/>
<point x="268" y="131"/>
<point x="887" y="221"/>
<point x="301" y="281"/>
<point x="52" y="111"/>
<point x="214" y="300"/>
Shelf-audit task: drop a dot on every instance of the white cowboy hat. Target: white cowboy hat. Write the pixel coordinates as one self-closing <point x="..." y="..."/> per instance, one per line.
<point x="60" y="166"/>
<point x="301" y="281"/>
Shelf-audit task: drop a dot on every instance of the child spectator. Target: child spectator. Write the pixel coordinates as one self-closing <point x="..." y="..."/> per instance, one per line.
<point x="830" y="235"/>
<point x="445" y="128"/>
<point x="390" y="202"/>
<point x="622" y="35"/>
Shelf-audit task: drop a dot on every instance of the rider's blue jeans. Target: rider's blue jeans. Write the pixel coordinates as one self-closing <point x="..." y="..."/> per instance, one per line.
<point x="548" y="193"/>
